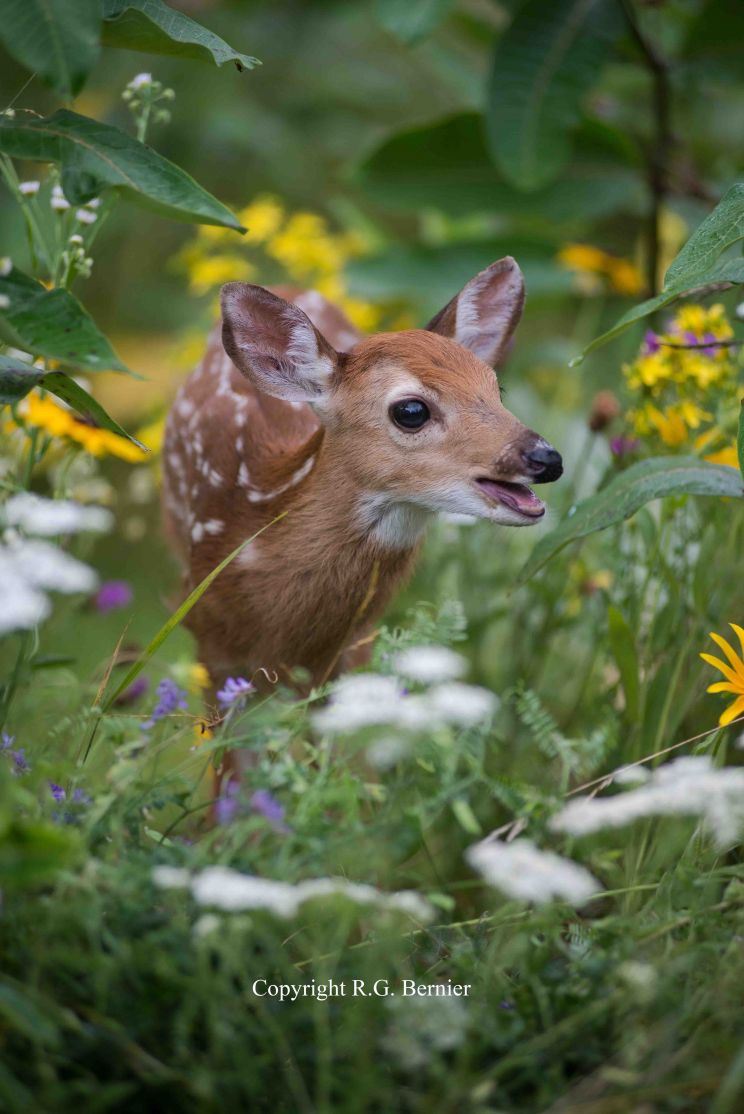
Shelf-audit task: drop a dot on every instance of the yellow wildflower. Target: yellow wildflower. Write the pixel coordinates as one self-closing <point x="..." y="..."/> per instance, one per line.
<point x="262" y="219"/>
<point x="725" y="456"/>
<point x="212" y="270"/>
<point x="623" y="275"/>
<point x="733" y="672"/>
<point x="198" y="677"/>
<point x="582" y="257"/>
<point x="45" y="414"/>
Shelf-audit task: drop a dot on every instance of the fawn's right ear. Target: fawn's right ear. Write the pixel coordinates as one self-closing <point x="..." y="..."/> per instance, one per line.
<point x="275" y="344"/>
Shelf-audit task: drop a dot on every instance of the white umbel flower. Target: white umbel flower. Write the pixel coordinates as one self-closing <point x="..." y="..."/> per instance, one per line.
<point x="688" y="787"/>
<point x="462" y="705"/>
<point x="523" y="871"/>
<point x="29" y="189"/>
<point x="22" y="606"/>
<point x="45" y="566"/>
<point x="47" y="517"/>
<point x="220" y="887"/>
<point x="170" y="877"/>
<point x="429" y="664"/>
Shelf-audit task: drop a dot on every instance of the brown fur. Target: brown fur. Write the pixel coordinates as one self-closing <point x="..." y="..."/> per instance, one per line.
<point x="236" y="457"/>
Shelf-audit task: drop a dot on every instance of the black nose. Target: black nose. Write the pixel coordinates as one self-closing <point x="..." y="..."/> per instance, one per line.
<point x="544" y="463"/>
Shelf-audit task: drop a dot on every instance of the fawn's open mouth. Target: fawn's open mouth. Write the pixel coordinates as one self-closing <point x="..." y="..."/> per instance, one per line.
<point x="517" y="497"/>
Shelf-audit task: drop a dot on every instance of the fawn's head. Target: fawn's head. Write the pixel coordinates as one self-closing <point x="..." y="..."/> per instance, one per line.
<point x="415" y="416"/>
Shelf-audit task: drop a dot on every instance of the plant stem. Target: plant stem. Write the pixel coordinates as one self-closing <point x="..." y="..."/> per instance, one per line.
<point x="658" y="151"/>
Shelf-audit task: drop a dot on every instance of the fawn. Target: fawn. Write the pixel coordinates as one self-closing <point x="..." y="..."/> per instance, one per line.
<point x="361" y="440"/>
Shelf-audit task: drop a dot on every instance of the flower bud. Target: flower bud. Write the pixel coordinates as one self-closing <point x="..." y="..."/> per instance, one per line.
<point x="604" y="409"/>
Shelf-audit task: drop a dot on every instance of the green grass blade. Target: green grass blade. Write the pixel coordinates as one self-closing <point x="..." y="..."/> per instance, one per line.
<point x="180" y="614"/>
<point x="740" y="439"/>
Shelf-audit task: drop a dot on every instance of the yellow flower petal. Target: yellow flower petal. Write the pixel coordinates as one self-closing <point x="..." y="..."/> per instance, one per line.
<point x="722" y="686"/>
<point x="739" y="632"/>
<point x="736" y="663"/>
<point x="718" y="664"/>
<point x="732" y="712"/>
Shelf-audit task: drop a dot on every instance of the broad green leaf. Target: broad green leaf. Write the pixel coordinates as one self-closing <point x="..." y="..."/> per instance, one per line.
<point x="56" y="39"/>
<point x="53" y="324"/>
<point x="740" y="439"/>
<point x="78" y="398"/>
<point x="17" y="378"/>
<point x="412" y="20"/>
<point x="626" y="493"/>
<point x="720" y="230"/>
<point x="446" y="166"/>
<point x="178" y="616"/>
<point x="729" y="272"/>
<point x="544" y="64"/>
<point x="622" y="645"/>
<point x="95" y="156"/>
<point x="155" y="28"/>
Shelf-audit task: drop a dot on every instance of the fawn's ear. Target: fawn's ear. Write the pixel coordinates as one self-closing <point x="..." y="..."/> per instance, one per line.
<point x="483" y="316"/>
<point x="275" y="344"/>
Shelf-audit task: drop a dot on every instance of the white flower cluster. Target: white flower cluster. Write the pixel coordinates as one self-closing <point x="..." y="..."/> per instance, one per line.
<point x="30" y="568"/>
<point x="522" y="870"/>
<point x="429" y="664"/>
<point x="371" y="700"/>
<point x="688" y="786"/>
<point x="221" y="887"/>
<point x="46" y="517"/>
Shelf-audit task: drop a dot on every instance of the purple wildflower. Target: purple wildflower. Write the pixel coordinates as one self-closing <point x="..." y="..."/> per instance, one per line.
<point x="80" y="797"/>
<point x="6" y="741"/>
<point x="57" y="791"/>
<point x="272" y="811"/>
<point x="235" y="688"/>
<point x="651" y="343"/>
<point x="623" y="446"/>
<point x="137" y="689"/>
<point x="112" y="595"/>
<point x="19" y="761"/>
<point x="226" y="806"/>
<point x="170" y="699"/>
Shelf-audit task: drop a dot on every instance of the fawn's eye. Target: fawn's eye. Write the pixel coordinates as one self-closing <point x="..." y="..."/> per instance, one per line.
<point x="410" y="413"/>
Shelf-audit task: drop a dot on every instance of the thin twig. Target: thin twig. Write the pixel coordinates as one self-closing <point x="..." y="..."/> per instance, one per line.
<point x="702" y="344"/>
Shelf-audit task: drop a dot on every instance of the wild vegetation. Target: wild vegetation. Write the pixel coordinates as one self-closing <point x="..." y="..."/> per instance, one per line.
<point x="535" y="789"/>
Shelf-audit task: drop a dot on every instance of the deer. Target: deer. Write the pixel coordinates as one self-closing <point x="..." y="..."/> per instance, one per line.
<point x="346" y="447"/>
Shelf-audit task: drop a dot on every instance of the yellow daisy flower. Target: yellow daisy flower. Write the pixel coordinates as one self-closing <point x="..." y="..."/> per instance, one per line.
<point x="733" y="672"/>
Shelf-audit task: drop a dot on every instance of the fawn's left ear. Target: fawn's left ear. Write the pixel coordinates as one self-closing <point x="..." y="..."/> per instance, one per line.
<point x="483" y="316"/>
<point x="275" y="345"/>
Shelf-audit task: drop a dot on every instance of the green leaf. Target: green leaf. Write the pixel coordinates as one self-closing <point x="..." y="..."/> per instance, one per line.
<point x="720" y="230"/>
<point x="465" y="817"/>
<point x="56" y="39"/>
<point x="96" y="156"/>
<point x="17" y="378"/>
<point x="78" y="398"/>
<point x="696" y="266"/>
<point x="727" y="273"/>
<point x="178" y="616"/>
<point x="626" y="493"/>
<point x="544" y="64"/>
<point x="155" y="28"/>
<point x="446" y="166"/>
<point x="412" y="20"/>
<point x="53" y="324"/>
<point x="622" y="645"/>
